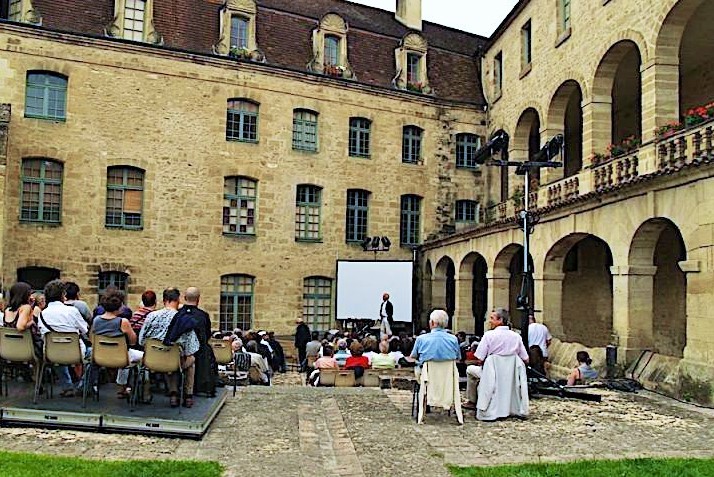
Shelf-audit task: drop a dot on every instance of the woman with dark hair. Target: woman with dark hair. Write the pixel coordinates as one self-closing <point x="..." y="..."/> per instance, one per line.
<point x="18" y="313"/>
<point x="111" y="324"/>
<point x="583" y="372"/>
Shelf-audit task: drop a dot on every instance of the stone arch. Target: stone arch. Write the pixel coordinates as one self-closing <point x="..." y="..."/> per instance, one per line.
<point x="577" y="297"/>
<point x="526" y="139"/>
<point x="565" y="116"/>
<point x="658" y="286"/>
<point x="472" y="292"/>
<point x="444" y="285"/>
<point x="617" y="96"/>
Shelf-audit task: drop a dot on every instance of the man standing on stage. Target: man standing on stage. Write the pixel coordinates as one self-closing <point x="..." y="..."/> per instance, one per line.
<point x="386" y="312"/>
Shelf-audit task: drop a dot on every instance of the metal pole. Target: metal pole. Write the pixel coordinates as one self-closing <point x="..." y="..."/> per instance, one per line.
<point x="526" y="305"/>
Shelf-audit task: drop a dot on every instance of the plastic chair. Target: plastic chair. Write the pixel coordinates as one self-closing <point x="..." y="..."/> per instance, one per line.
<point x="107" y="352"/>
<point x="371" y="379"/>
<point x="224" y="355"/>
<point x="61" y="349"/>
<point x="428" y="378"/>
<point x="161" y="358"/>
<point x="16" y="348"/>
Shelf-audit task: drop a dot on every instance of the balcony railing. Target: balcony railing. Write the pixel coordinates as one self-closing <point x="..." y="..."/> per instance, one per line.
<point x="690" y="146"/>
<point x="616" y="171"/>
<point x="563" y="190"/>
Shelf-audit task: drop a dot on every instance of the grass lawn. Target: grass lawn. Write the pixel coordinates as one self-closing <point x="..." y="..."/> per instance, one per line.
<point x="619" y="468"/>
<point x="14" y="464"/>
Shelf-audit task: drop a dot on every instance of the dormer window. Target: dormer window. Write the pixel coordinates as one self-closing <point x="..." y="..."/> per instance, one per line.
<point x="134" y="20"/>
<point x="332" y="50"/>
<point x="237" y="37"/>
<point x="239" y="32"/>
<point x="19" y="11"/>
<point x="411" y="64"/>
<point x="329" y="48"/>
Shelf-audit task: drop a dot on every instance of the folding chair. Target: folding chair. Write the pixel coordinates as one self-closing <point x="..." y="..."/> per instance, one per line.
<point x="107" y="352"/>
<point x="61" y="349"/>
<point x="371" y="379"/>
<point x="16" y="348"/>
<point x="160" y="358"/>
<point x="430" y="371"/>
<point x="224" y="355"/>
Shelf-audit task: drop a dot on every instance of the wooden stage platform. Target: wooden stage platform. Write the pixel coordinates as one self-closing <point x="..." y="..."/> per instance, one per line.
<point x="109" y="414"/>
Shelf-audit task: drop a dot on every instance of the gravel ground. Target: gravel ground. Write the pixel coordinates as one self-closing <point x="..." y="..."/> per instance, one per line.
<point x="292" y="430"/>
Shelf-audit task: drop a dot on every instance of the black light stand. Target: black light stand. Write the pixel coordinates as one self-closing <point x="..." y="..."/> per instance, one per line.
<point x="376" y="244"/>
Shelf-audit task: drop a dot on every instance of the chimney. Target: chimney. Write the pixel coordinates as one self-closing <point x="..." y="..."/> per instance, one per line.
<point x="409" y="13"/>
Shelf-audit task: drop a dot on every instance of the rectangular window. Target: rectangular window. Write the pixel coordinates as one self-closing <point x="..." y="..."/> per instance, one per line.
<point x="307" y="213"/>
<point x="236" y="306"/>
<point x="134" y="11"/>
<point x="466" y="147"/>
<point x="125" y="197"/>
<point x="565" y="14"/>
<point x="526" y="45"/>
<point x="304" y="131"/>
<point x="360" y="130"/>
<point x="239" y="205"/>
<point x="357" y="211"/>
<point x="411" y="145"/>
<point x="242" y="121"/>
<point x="467" y="211"/>
<point x="14" y="10"/>
<point x="332" y="51"/>
<point x="41" y="195"/>
<point x="116" y="279"/>
<point x="498" y="73"/>
<point x="413" y="69"/>
<point x="410" y="217"/>
<point x="239" y="32"/>
<point x="46" y="96"/>
<point x="317" y="303"/>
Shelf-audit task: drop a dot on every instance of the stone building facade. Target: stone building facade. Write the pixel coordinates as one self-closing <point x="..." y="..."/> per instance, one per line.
<point x="623" y="254"/>
<point x="240" y="146"/>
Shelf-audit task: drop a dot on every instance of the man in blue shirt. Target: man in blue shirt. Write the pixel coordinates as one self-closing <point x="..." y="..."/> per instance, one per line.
<point x="439" y="345"/>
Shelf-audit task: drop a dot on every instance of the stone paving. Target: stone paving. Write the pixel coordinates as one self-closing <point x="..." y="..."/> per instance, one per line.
<point x="291" y="430"/>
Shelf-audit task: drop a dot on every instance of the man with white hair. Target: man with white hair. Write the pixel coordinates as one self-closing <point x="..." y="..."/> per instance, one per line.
<point x="500" y="340"/>
<point x="438" y="345"/>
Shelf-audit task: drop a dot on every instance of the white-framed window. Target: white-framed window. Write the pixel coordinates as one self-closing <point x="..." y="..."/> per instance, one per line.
<point x="240" y="201"/>
<point x="134" y="14"/>
<point x="239" y="32"/>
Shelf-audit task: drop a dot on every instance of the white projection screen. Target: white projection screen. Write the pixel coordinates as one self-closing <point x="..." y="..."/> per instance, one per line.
<point x="360" y="285"/>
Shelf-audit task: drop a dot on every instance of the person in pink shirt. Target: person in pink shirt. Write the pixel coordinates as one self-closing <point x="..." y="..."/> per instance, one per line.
<point x="500" y="341"/>
<point x="326" y="361"/>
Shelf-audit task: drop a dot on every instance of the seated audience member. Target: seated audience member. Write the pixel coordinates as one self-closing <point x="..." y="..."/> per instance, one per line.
<point x="536" y="360"/>
<point x="370" y="347"/>
<point x="62" y="319"/>
<point x="357" y="362"/>
<point x="261" y="373"/>
<point x="72" y="294"/>
<point x="38" y="302"/>
<point x="18" y="315"/>
<point x="470" y="352"/>
<point x="583" y="372"/>
<point x="437" y="345"/>
<point x="395" y="349"/>
<point x="241" y="359"/>
<point x="124" y="311"/>
<point x="501" y="351"/>
<point x="112" y="325"/>
<point x="148" y="304"/>
<point x="156" y="326"/>
<point x="383" y="360"/>
<point x="326" y="361"/>
<point x="278" y="363"/>
<point x="342" y="352"/>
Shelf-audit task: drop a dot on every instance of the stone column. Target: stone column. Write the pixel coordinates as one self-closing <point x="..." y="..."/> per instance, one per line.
<point x="463" y="314"/>
<point x="498" y="289"/>
<point x="549" y="298"/>
<point x="632" y="310"/>
<point x="438" y="292"/>
<point x="660" y="95"/>
<point x="597" y="127"/>
<point x="700" y="328"/>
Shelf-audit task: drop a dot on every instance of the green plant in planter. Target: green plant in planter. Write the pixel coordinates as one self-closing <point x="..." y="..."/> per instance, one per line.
<point x="517" y="197"/>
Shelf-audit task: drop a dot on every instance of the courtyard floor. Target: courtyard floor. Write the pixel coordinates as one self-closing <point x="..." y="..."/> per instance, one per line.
<point x="291" y="430"/>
